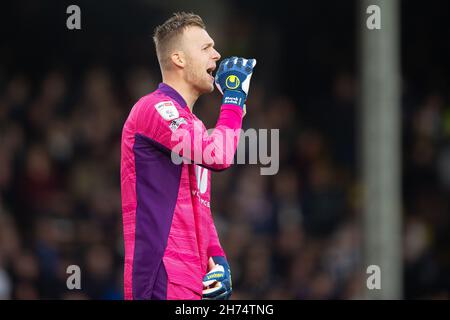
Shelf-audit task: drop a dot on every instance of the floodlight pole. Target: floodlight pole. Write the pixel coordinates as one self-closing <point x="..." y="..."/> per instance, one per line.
<point x="381" y="147"/>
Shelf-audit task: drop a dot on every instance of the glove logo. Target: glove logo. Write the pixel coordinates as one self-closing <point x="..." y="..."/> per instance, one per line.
<point x="232" y="82"/>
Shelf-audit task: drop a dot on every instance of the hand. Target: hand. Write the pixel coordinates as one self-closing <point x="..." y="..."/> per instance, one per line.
<point x="217" y="282"/>
<point x="233" y="79"/>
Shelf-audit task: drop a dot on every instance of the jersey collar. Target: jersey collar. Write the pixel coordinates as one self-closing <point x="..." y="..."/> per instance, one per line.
<point x="171" y="92"/>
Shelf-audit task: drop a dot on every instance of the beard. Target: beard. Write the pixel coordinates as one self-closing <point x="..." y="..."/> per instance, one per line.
<point x="198" y="78"/>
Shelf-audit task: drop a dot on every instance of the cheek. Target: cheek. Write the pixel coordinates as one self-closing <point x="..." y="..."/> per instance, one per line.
<point x="190" y="71"/>
<point x="192" y="66"/>
<point x="195" y="73"/>
<point x="196" y="69"/>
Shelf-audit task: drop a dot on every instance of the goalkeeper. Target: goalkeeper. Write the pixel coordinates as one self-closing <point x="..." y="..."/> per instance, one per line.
<point x="172" y="250"/>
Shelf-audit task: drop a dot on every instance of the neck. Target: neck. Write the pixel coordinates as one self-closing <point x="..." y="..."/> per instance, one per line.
<point x="184" y="89"/>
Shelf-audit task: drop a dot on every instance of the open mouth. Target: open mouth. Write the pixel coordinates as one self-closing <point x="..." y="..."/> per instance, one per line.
<point x="210" y="70"/>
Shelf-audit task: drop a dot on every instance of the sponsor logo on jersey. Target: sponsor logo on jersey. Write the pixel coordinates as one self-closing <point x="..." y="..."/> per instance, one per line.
<point x="175" y="124"/>
<point x="167" y="110"/>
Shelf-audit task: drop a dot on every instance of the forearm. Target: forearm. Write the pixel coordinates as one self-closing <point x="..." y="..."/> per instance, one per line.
<point x="214" y="151"/>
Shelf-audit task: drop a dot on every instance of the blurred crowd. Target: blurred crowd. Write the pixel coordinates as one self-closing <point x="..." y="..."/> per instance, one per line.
<point x="293" y="235"/>
<point x="60" y="204"/>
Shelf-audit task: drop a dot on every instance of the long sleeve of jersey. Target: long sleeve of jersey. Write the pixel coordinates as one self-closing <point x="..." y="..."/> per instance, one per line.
<point x="214" y="247"/>
<point x="186" y="135"/>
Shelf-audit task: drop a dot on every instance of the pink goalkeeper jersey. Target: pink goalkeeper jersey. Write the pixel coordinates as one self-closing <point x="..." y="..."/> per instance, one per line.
<point x="168" y="229"/>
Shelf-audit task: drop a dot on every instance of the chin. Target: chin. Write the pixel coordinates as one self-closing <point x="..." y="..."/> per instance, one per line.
<point x="207" y="89"/>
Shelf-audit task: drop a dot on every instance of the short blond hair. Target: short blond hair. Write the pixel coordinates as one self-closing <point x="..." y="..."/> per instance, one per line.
<point x="165" y="35"/>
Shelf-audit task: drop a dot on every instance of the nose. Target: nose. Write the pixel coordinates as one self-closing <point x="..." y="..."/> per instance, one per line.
<point x="216" y="55"/>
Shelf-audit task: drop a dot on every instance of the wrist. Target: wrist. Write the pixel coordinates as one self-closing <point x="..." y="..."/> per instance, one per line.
<point x="235" y="97"/>
<point x="220" y="260"/>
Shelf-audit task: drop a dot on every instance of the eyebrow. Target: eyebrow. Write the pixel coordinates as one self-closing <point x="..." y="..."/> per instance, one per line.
<point x="209" y="44"/>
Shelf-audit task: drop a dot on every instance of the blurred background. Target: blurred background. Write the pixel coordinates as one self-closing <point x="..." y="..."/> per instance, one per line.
<point x="65" y="94"/>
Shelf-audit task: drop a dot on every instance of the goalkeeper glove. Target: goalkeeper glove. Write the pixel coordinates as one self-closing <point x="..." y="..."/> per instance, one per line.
<point x="217" y="282"/>
<point x="233" y="79"/>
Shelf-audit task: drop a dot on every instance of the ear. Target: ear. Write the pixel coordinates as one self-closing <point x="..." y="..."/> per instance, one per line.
<point x="178" y="59"/>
